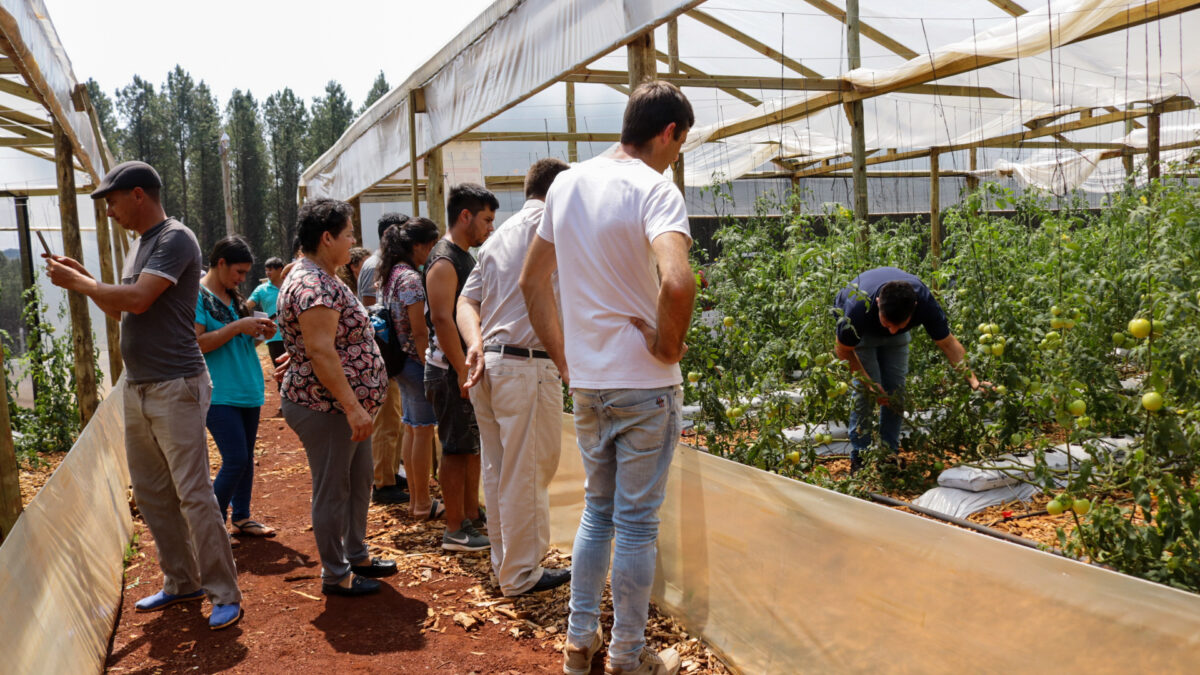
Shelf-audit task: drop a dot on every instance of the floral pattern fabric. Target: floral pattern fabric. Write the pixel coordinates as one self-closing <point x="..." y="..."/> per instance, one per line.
<point x="404" y="287"/>
<point x="310" y="286"/>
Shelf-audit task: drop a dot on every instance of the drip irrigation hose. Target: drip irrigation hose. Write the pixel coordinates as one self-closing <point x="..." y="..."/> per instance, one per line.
<point x="961" y="522"/>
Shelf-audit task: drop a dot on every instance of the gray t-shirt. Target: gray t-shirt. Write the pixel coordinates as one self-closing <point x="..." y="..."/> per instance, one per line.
<point x="160" y="343"/>
<point x="366" y="277"/>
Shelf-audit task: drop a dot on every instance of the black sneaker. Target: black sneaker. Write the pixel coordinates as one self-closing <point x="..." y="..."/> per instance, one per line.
<point x="467" y="538"/>
<point x="401" y="482"/>
<point x="391" y="494"/>
<point x="375" y="568"/>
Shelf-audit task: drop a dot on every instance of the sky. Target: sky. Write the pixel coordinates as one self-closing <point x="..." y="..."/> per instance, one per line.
<point x="257" y="45"/>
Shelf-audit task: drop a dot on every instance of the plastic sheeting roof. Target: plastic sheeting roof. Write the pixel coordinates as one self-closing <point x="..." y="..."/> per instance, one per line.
<point x="1047" y="86"/>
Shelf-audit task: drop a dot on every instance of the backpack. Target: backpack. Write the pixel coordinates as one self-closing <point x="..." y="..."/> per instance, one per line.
<point x="392" y="349"/>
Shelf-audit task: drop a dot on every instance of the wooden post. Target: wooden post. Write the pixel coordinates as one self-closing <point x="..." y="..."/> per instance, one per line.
<point x="435" y="189"/>
<point x="572" y="146"/>
<point x="1127" y="154"/>
<point x="673" y="65"/>
<point x="356" y="220"/>
<point x="112" y="326"/>
<point x="10" y="479"/>
<point x="972" y="179"/>
<point x="642" y="59"/>
<point x="412" y="153"/>
<point x="858" y="143"/>
<point x="1152" y="144"/>
<point x="81" y="321"/>
<point x="935" y="225"/>
<point x="120" y="246"/>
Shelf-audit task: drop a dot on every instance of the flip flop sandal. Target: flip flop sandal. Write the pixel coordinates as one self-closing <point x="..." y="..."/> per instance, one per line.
<point x="253" y="528"/>
<point x="436" y="510"/>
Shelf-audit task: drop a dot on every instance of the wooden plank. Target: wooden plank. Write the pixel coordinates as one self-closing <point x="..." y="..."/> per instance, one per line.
<point x="19" y="90"/>
<point x="881" y="159"/>
<point x="412" y="152"/>
<point x="112" y="327"/>
<point x="769" y="52"/>
<point x="553" y="136"/>
<point x="1009" y="6"/>
<point x="1135" y="16"/>
<point x="7" y="67"/>
<point x="641" y="57"/>
<point x="81" y="321"/>
<point x="685" y="69"/>
<point x="356" y="220"/>
<point x="874" y="34"/>
<point x="973" y="160"/>
<point x="677" y="168"/>
<point x="22" y="142"/>
<point x="435" y="189"/>
<point x="717" y="81"/>
<point x="858" y="143"/>
<point x="572" y="146"/>
<point x="935" y="224"/>
<point x="1153" y="155"/>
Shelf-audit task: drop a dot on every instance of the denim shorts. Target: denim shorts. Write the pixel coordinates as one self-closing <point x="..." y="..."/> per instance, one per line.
<point x="457" y="429"/>
<point x="417" y="410"/>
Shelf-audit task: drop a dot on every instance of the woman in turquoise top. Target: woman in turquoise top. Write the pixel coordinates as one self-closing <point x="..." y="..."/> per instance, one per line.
<point x="227" y="336"/>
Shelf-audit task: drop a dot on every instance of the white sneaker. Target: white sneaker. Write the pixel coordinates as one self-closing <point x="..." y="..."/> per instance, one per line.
<point x="665" y="662"/>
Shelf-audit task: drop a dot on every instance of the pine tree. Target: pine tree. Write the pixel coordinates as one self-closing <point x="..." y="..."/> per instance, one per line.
<point x="378" y="89"/>
<point x="286" y="121"/>
<point x="142" y="137"/>
<point x="250" y="175"/>
<point x="331" y="115"/>
<point x="178" y="100"/>
<point x="205" y="177"/>
<point x="105" y="113"/>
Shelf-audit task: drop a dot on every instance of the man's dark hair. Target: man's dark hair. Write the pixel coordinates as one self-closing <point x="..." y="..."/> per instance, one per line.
<point x="318" y="217"/>
<point x="274" y="262"/>
<point x="897" y="300"/>
<point x="389" y="219"/>
<point x="541" y="175"/>
<point x="469" y="196"/>
<point x="652" y="106"/>
<point x="154" y="193"/>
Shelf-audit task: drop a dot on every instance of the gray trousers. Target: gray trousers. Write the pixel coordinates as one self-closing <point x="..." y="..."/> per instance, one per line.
<point x="342" y="474"/>
<point x="168" y="466"/>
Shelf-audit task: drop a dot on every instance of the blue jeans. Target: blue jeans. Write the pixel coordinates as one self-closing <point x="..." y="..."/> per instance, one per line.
<point x="627" y="438"/>
<point x="234" y="430"/>
<point x="886" y="360"/>
<point x="418" y="411"/>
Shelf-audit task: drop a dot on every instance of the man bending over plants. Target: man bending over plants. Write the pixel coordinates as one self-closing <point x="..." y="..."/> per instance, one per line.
<point x="875" y="312"/>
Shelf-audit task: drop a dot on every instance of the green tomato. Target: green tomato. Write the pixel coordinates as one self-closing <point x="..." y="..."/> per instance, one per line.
<point x="994" y="328"/>
<point x="822" y="359"/>
<point x="1082" y="506"/>
<point x="1001" y="389"/>
<point x="1077" y="407"/>
<point x="693" y="377"/>
<point x="727" y="322"/>
<point x="938" y="466"/>
<point x="985" y="339"/>
<point x="1083" y="422"/>
<point x="998" y="349"/>
<point x="1152" y="401"/>
<point x="1068" y="323"/>
<point x="1055" y="507"/>
<point x="983" y="328"/>
<point x="1139" y="328"/>
<point x="839" y="389"/>
<point x="1053" y="336"/>
<point x="1118" y="339"/>
<point x="1057" y="323"/>
<point x="1056" y="310"/>
<point x="793" y="457"/>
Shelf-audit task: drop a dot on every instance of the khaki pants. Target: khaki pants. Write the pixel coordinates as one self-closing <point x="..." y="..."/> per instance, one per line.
<point x="518" y="405"/>
<point x="386" y="438"/>
<point x="168" y="466"/>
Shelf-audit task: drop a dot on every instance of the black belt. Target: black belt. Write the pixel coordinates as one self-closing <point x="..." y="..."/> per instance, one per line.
<point x="516" y="351"/>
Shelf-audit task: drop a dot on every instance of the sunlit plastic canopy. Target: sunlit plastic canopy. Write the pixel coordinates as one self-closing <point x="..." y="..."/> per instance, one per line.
<point x="1055" y="92"/>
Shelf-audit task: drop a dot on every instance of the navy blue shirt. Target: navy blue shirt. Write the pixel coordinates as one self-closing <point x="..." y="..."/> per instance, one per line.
<point x="858" y="310"/>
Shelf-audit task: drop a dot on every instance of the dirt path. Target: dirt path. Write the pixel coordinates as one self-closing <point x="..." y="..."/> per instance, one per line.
<point x="439" y="614"/>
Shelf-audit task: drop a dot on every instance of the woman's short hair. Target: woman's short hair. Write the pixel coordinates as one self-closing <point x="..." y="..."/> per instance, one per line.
<point x="318" y="217"/>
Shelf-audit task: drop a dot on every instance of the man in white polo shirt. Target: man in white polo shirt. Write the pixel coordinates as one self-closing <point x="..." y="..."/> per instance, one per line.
<point x="617" y="231"/>
<point x="517" y="394"/>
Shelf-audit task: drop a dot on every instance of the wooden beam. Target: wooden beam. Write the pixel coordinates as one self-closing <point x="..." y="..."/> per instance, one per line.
<point x="1009" y="6"/>
<point x="641" y="57"/>
<point x="435" y="189"/>
<point x="935" y="196"/>
<point x="553" y="136"/>
<point x="356" y="220"/>
<point x="858" y="143"/>
<point x="7" y="67"/>
<point x="972" y="179"/>
<point x="19" y="90"/>
<point x="1136" y="16"/>
<point x="112" y="327"/>
<point x="81" y="321"/>
<point x="572" y="146"/>
<point x="769" y="52"/>
<point x="23" y="142"/>
<point x="874" y="34"/>
<point x="677" y="168"/>
<point x="685" y="69"/>
<point x="412" y="151"/>
<point x="1153" y="155"/>
<point x="881" y="159"/>
<point x="717" y="82"/>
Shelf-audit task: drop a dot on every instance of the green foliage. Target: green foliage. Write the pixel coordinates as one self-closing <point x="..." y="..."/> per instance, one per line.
<point x="286" y="120"/>
<point x="378" y="88"/>
<point x="250" y="174"/>
<point x="1059" y="283"/>
<point x="53" y="422"/>
<point x="331" y="115"/>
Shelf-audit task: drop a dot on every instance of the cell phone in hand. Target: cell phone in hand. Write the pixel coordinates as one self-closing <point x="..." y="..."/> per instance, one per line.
<point x="45" y="246"/>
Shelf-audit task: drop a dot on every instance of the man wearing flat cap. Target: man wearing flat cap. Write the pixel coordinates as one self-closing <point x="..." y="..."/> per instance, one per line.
<point x="167" y="392"/>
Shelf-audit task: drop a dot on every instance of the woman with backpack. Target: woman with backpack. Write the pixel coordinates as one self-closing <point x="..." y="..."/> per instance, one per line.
<point x="404" y="250"/>
<point x="227" y="335"/>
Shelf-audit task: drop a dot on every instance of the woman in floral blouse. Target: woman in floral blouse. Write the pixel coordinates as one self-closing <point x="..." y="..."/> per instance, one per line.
<point x="405" y="248"/>
<point x="333" y="386"/>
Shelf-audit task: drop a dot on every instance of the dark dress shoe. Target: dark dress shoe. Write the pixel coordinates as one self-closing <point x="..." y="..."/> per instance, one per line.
<point x="392" y="494"/>
<point x="375" y="568"/>
<point x="358" y="586"/>
<point x="551" y="578"/>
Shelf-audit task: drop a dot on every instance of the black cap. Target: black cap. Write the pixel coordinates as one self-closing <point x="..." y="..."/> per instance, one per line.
<point x="126" y="176"/>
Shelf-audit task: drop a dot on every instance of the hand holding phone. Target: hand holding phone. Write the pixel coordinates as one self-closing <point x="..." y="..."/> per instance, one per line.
<point x="45" y="246"/>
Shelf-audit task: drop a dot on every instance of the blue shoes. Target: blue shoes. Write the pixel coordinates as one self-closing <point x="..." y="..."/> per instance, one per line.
<point x="224" y="616"/>
<point x="163" y="599"/>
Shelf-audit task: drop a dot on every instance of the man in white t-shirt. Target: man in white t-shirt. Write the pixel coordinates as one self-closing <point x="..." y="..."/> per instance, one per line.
<point x="617" y="231"/>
